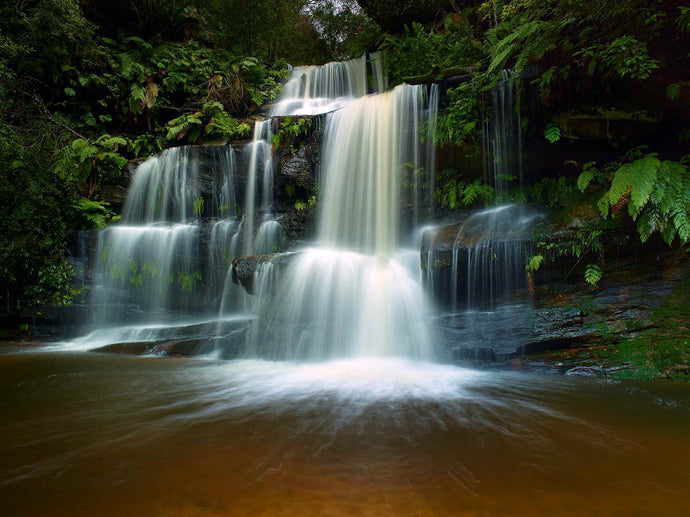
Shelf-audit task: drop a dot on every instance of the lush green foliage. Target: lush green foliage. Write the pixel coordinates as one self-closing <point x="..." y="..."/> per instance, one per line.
<point x="453" y="193"/>
<point x="421" y="51"/>
<point x="656" y="193"/>
<point x="461" y="122"/>
<point x="87" y="85"/>
<point x="622" y="39"/>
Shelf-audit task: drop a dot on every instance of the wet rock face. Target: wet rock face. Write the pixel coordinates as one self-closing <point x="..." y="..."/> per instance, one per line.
<point x="571" y="318"/>
<point x="298" y="169"/>
<point x="480" y="260"/>
<point x="244" y="268"/>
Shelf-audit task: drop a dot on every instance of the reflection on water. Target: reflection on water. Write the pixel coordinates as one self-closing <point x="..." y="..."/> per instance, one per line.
<point x="86" y="434"/>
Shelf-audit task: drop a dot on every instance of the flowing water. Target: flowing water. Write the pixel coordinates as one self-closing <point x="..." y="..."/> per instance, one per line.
<point x="93" y="434"/>
<point x="351" y="296"/>
<point x="341" y="403"/>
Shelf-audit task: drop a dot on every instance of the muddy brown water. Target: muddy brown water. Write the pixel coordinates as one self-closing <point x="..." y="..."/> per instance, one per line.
<point x="92" y="434"/>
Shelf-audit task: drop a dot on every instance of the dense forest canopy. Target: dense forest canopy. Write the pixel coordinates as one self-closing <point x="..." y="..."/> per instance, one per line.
<point x="87" y="85"/>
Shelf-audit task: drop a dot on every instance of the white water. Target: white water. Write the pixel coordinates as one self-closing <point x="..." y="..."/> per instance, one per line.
<point x="355" y="295"/>
<point x="311" y="90"/>
<point x="352" y="296"/>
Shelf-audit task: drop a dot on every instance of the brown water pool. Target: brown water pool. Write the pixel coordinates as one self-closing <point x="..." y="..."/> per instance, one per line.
<point x="90" y="434"/>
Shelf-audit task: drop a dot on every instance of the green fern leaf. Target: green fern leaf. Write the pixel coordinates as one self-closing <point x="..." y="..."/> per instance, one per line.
<point x="646" y="225"/>
<point x="673" y="91"/>
<point x="643" y="176"/>
<point x="668" y="230"/>
<point x="584" y="179"/>
<point x="535" y="262"/>
<point x="681" y="221"/>
<point x="500" y="60"/>
<point x="552" y="132"/>
<point x="621" y="184"/>
<point x="593" y="274"/>
<point x="603" y="205"/>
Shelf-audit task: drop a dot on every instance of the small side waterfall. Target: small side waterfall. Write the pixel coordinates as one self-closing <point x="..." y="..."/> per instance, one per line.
<point x="501" y="136"/>
<point x="268" y="238"/>
<point x="491" y="248"/>
<point x="148" y="265"/>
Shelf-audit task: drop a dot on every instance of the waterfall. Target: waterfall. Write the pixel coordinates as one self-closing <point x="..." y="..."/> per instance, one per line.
<point x="493" y="246"/>
<point x="149" y="265"/>
<point x="355" y="294"/>
<point x="311" y="90"/>
<point x="501" y="136"/>
<point x="352" y="296"/>
<point x="487" y="252"/>
<point x="269" y="236"/>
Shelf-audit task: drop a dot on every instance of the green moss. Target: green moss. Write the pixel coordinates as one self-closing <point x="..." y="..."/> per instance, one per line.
<point x="659" y="353"/>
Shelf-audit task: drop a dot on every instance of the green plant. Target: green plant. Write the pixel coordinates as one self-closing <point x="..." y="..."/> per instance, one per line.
<point x="188" y="281"/>
<point x="212" y="122"/>
<point x="552" y="132"/>
<point x="453" y="194"/>
<point x="84" y="158"/>
<point x="291" y="129"/>
<point x="534" y="263"/>
<point x="199" y="206"/>
<point x="657" y="194"/>
<point x="426" y="52"/>
<point x="593" y="274"/>
<point x="551" y="192"/>
<point x="624" y="56"/>
<point x="88" y="213"/>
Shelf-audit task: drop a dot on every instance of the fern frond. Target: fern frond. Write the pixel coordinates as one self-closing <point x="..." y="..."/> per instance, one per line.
<point x="603" y="205"/>
<point x="593" y="274"/>
<point x="507" y="46"/>
<point x="667" y="230"/>
<point x="584" y="179"/>
<point x="643" y="175"/>
<point x="500" y="60"/>
<point x="681" y="216"/>
<point x="647" y="224"/>
<point x="622" y="181"/>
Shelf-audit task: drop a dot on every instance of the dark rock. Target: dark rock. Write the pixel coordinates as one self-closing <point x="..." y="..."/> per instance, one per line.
<point x="608" y="124"/>
<point x="585" y="371"/>
<point x="182" y="348"/>
<point x="298" y="169"/>
<point x="245" y="268"/>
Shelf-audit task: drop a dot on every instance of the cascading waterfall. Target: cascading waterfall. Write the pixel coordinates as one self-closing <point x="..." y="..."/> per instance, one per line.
<point x="149" y="263"/>
<point x="491" y="248"/>
<point x="352" y="296"/>
<point x="170" y="256"/>
<point x="311" y="90"/>
<point x="269" y="237"/>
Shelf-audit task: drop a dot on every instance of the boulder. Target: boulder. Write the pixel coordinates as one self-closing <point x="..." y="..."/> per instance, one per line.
<point x="244" y="269"/>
